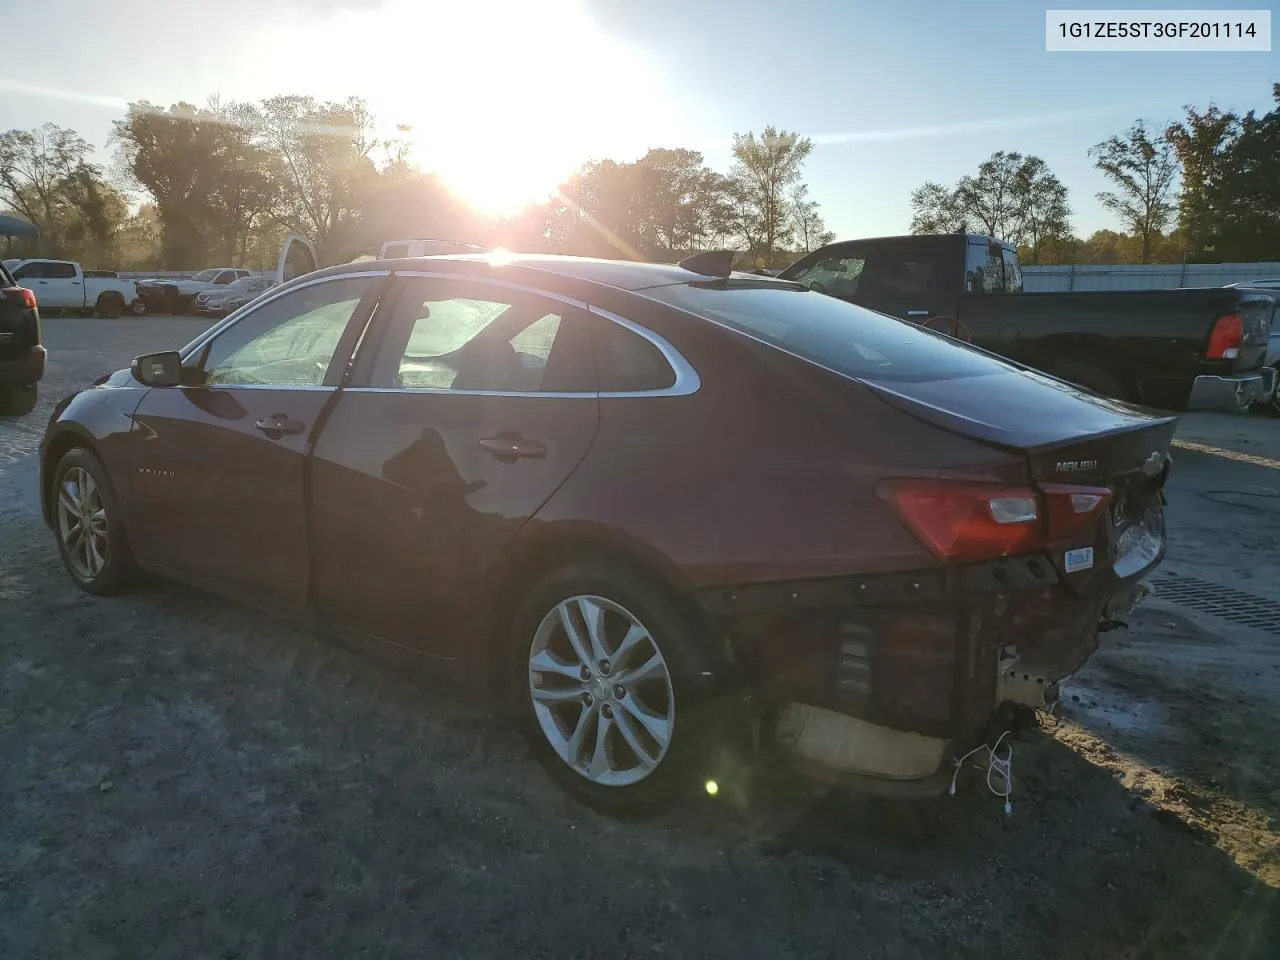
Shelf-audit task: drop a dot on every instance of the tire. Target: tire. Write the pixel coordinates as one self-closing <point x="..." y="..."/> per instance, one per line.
<point x="138" y="308"/>
<point x="100" y="564"/>
<point x="18" y="401"/>
<point x="1091" y="378"/>
<point x="622" y="783"/>
<point x="109" y="305"/>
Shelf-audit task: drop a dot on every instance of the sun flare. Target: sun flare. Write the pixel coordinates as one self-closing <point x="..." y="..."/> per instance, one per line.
<point x="504" y="98"/>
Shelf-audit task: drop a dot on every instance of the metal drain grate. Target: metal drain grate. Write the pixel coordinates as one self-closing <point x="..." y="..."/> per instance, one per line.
<point x="1233" y="605"/>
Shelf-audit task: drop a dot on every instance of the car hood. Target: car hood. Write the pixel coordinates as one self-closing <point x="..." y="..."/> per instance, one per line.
<point x="1067" y="433"/>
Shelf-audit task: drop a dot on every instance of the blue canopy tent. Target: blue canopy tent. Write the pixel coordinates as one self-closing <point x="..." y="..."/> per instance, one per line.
<point x="11" y="227"/>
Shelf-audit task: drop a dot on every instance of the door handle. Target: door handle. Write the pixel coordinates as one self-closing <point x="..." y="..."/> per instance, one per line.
<point x="278" y="424"/>
<point x="508" y="447"/>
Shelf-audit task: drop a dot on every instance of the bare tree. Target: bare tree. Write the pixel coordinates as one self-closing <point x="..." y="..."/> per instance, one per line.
<point x="1144" y="168"/>
<point x="810" y="230"/>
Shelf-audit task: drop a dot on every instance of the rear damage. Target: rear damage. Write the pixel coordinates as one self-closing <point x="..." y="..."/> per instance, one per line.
<point x="889" y="678"/>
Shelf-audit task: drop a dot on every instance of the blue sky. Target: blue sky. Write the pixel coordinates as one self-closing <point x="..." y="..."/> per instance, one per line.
<point x="503" y="95"/>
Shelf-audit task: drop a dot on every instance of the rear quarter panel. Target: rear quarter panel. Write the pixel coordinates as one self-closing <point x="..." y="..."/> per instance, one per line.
<point x="766" y="473"/>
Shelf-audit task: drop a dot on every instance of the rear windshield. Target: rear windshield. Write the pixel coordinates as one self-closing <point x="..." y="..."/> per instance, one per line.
<point x="849" y="339"/>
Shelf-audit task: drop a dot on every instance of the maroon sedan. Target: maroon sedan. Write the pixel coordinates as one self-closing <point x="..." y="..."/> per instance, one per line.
<point x="663" y="513"/>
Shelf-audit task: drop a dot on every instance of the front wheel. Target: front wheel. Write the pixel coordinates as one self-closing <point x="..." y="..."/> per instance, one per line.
<point x="604" y="674"/>
<point x="138" y="308"/>
<point x="91" y="536"/>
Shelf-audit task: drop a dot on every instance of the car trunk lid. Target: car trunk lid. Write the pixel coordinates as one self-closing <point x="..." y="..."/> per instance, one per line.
<point x="1067" y="436"/>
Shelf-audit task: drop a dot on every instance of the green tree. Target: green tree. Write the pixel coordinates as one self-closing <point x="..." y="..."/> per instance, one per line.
<point x="1245" y="198"/>
<point x="765" y="169"/>
<point x="990" y="199"/>
<point x="46" y="177"/>
<point x="1144" y="167"/>
<point x="1041" y="210"/>
<point x="322" y="166"/>
<point x="934" y="209"/>
<point x="1202" y="143"/>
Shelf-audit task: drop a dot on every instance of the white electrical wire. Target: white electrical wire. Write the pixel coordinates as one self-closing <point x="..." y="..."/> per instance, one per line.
<point x="998" y="766"/>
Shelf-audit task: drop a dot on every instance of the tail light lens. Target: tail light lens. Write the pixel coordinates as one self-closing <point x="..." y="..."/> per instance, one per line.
<point x="1072" y="511"/>
<point x="21" y="294"/>
<point x="966" y="521"/>
<point x="978" y="521"/>
<point x="1225" y="340"/>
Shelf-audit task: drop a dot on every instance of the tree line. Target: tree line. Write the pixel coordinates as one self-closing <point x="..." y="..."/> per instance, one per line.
<point x="1202" y="189"/>
<point x="225" y="182"/>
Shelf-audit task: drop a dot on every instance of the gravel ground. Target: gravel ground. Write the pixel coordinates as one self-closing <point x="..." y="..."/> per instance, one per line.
<point x="181" y="777"/>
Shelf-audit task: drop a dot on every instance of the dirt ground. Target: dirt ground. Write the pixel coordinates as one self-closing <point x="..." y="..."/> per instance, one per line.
<point x="181" y="777"/>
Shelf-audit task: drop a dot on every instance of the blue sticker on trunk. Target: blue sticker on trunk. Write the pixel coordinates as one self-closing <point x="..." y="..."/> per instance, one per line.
<point x="1077" y="560"/>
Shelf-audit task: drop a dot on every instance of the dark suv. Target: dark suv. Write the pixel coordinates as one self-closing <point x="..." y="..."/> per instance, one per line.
<point x="22" y="358"/>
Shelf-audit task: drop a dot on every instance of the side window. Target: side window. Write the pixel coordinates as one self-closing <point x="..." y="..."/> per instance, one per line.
<point x="288" y="342"/>
<point x="30" y="271"/>
<point x="459" y="335"/>
<point x="984" y="269"/>
<point x="226" y="276"/>
<point x="59" y="271"/>
<point x="1012" y="271"/>
<point x="395" y="251"/>
<point x="627" y="362"/>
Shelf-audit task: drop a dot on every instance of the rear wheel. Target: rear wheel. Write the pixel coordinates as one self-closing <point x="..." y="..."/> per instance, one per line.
<point x="603" y="673"/>
<point x="1093" y="379"/>
<point x="18" y="401"/>
<point x="109" y="305"/>
<point x="91" y="536"/>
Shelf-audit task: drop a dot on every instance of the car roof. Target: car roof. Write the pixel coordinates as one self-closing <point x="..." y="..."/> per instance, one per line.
<point x="623" y="274"/>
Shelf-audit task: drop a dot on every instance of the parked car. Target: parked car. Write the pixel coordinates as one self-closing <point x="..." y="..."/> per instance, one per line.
<point x="1174" y="349"/>
<point x="395" y="249"/>
<point x="178" y="296"/>
<point x="65" y="285"/>
<point x="218" y="303"/>
<point x="22" y="357"/>
<point x="653" y="509"/>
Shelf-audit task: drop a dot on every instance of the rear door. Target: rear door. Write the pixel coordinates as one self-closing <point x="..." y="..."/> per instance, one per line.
<point x="218" y="479"/>
<point x="472" y="403"/>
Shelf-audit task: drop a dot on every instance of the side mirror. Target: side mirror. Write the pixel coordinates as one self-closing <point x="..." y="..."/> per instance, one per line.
<point x="158" y="369"/>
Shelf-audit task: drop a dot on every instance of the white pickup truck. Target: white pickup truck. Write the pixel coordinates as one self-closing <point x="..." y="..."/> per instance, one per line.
<point x="64" y="285"/>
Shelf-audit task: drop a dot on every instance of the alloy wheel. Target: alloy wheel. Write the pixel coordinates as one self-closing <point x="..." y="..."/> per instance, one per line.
<point x="601" y="691"/>
<point x="82" y="523"/>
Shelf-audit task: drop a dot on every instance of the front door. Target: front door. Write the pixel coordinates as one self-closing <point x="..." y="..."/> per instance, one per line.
<point x="471" y="406"/>
<point x="219" y="464"/>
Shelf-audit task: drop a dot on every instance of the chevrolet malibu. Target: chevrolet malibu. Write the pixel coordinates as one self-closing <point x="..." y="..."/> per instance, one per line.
<point x="664" y="514"/>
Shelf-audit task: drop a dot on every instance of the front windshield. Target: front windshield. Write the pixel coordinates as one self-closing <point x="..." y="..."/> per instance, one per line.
<point x="204" y="276"/>
<point x="836" y="334"/>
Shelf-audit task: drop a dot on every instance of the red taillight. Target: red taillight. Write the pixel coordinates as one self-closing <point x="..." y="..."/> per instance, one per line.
<point x="21" y="294"/>
<point x="1225" y="340"/>
<point x="978" y="521"/>
<point x="1072" y="511"/>
<point x="966" y="521"/>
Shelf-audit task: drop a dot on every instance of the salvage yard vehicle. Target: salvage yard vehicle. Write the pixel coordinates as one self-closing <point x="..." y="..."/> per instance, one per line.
<point x="398" y="249"/>
<point x="65" y="285"/>
<point x="22" y="357"/>
<point x="664" y="513"/>
<point x="220" y="302"/>
<point x="1184" y="349"/>
<point x="178" y="296"/>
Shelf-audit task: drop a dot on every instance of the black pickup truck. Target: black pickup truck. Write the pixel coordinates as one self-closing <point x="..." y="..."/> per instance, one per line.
<point x="1175" y="349"/>
<point x="22" y="358"/>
